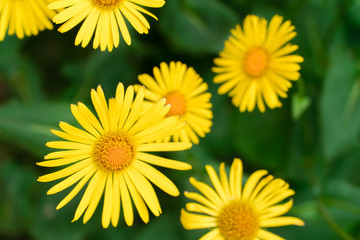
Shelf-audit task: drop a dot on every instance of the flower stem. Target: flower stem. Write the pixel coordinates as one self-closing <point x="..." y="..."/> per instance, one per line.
<point x="331" y="222"/>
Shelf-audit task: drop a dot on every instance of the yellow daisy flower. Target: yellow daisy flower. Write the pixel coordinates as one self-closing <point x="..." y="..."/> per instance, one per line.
<point x="255" y="65"/>
<point x="24" y="17"/>
<point x="186" y="92"/>
<point x="239" y="213"/>
<point x="112" y="155"/>
<point x="105" y="18"/>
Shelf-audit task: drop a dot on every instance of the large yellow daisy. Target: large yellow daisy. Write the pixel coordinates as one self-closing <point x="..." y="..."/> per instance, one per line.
<point x="24" y="17"/>
<point x="111" y="156"/>
<point x="234" y="212"/>
<point x="255" y="65"/>
<point x="105" y="18"/>
<point x="187" y="94"/>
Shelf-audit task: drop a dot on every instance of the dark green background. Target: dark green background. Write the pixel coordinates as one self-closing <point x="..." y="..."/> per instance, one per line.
<point x="313" y="141"/>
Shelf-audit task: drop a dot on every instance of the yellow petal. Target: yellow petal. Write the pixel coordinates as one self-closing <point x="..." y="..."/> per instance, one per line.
<point x="162" y="162"/>
<point x="139" y="202"/>
<point x="126" y="201"/>
<point x="108" y="201"/>
<point x="76" y="189"/>
<point x="71" y="180"/>
<point x="156" y="177"/>
<point x="96" y="196"/>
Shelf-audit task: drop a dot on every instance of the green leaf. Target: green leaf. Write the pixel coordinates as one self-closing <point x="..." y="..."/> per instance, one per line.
<point x="346" y="194"/>
<point x="156" y="229"/>
<point x="29" y="126"/>
<point x="197" y="25"/>
<point x="262" y="139"/>
<point x="19" y="71"/>
<point x="299" y="104"/>
<point x="353" y="12"/>
<point x="340" y="103"/>
<point x="48" y="223"/>
<point x="16" y="188"/>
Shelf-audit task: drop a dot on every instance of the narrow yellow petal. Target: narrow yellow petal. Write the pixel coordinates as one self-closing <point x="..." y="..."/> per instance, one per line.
<point x="101" y="107"/>
<point x="85" y="200"/>
<point x="84" y="117"/>
<point x="146" y="190"/>
<point x="129" y="95"/>
<point x="207" y="191"/>
<point x="236" y="172"/>
<point x="195" y="207"/>
<point x="212" y="235"/>
<point x="201" y="199"/>
<point x="115" y="215"/>
<point x="263" y="234"/>
<point x="133" y="115"/>
<point x="108" y="201"/>
<point x="70" y="180"/>
<point x="157" y="178"/>
<point x="196" y="221"/>
<point x="60" y="162"/>
<point x="74" y="138"/>
<point x="122" y="25"/>
<point x="139" y="202"/>
<point x="163" y="147"/>
<point x="216" y="182"/>
<point x="65" y="172"/>
<point x="95" y="197"/>
<point x="281" y="221"/>
<point x="68" y="145"/>
<point x="162" y="162"/>
<point x="76" y="189"/>
<point x="251" y="183"/>
<point x="276" y="210"/>
<point x="126" y="201"/>
<point x="83" y="153"/>
<point x="224" y="180"/>
<point x="75" y="131"/>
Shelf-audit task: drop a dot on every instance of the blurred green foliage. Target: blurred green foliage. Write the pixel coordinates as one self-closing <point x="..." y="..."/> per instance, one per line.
<point x="313" y="141"/>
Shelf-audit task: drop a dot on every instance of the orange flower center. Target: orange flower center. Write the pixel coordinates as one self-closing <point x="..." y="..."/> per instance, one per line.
<point x="106" y="3"/>
<point x="238" y="221"/>
<point x="177" y="102"/>
<point x="113" y="151"/>
<point x="255" y="62"/>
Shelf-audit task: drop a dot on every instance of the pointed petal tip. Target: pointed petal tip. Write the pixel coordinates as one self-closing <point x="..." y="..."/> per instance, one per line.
<point x="299" y="222"/>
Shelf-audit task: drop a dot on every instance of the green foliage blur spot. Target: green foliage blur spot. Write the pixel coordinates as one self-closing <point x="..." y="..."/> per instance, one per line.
<point x="197" y="25"/>
<point x="339" y="107"/>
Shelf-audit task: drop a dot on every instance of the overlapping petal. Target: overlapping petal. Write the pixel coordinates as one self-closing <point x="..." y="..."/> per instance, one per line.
<point x="104" y="20"/>
<point x="177" y="79"/>
<point x="252" y="79"/>
<point x="258" y="201"/>
<point x="24" y="18"/>
<point x="128" y="183"/>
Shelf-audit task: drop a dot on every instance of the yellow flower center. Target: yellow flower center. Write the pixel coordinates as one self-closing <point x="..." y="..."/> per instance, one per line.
<point x="106" y="3"/>
<point x="177" y="102"/>
<point x="238" y="221"/>
<point x="113" y="151"/>
<point x="255" y="62"/>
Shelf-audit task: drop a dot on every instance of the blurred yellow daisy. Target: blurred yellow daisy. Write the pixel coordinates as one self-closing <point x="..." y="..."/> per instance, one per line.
<point x="24" y="17"/>
<point x="111" y="156"/>
<point x="255" y="65"/>
<point x="186" y="92"/>
<point x="105" y="18"/>
<point x="234" y="212"/>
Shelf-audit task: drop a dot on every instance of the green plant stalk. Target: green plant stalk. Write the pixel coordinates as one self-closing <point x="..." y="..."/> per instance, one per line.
<point x="331" y="222"/>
